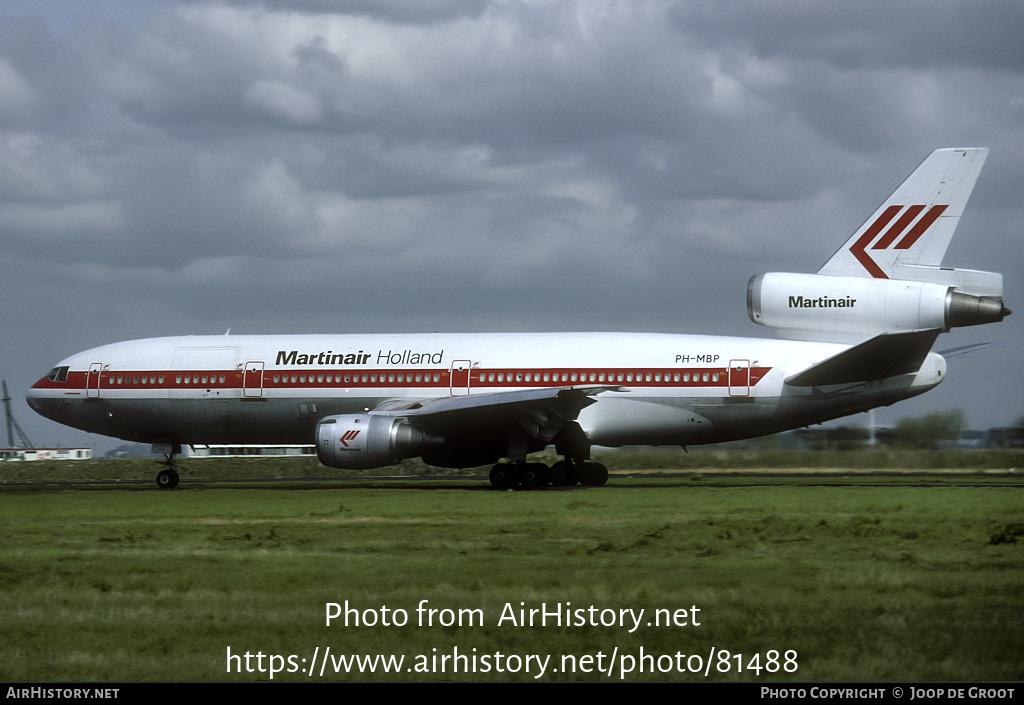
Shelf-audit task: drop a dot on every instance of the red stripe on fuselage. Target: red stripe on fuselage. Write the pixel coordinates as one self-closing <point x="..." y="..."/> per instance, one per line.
<point x="410" y="378"/>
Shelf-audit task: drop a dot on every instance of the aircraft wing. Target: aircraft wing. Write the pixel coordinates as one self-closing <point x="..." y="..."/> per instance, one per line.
<point x="541" y="413"/>
<point x="885" y="355"/>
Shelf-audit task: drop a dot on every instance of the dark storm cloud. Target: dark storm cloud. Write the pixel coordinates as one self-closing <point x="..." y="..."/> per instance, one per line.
<point x="395" y="11"/>
<point x="916" y="34"/>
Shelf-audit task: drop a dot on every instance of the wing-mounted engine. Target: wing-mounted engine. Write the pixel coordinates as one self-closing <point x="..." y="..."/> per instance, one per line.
<point x="477" y="429"/>
<point x="364" y="441"/>
<point x="825" y="307"/>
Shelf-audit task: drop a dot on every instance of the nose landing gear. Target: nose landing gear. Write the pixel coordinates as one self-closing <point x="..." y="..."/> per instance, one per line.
<point x="167" y="479"/>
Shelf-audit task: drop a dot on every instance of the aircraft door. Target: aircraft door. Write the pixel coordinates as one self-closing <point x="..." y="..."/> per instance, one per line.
<point x="459" y="378"/>
<point x="252" y="382"/>
<point x="92" y="383"/>
<point x="739" y="378"/>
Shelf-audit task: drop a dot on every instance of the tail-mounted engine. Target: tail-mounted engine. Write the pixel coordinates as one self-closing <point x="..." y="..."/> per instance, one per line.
<point x="839" y="305"/>
<point x="363" y="441"/>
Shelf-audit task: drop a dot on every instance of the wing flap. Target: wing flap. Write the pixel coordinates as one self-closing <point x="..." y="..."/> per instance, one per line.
<point x="568" y="397"/>
<point x="886" y="355"/>
<point x="540" y="413"/>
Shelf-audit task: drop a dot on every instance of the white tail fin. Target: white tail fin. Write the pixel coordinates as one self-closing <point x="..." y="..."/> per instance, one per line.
<point x="913" y="228"/>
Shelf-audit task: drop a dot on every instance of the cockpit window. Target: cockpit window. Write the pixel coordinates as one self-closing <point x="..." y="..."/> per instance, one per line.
<point x="58" y="374"/>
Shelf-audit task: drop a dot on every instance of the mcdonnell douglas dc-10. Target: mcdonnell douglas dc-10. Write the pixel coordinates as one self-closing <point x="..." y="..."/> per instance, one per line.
<point x="853" y="336"/>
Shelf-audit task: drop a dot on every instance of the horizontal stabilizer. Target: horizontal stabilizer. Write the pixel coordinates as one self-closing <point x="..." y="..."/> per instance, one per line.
<point x="968" y="349"/>
<point x="885" y="355"/>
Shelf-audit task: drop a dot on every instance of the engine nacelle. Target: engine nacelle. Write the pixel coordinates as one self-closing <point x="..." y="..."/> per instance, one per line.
<point x="364" y="441"/>
<point x="862" y="306"/>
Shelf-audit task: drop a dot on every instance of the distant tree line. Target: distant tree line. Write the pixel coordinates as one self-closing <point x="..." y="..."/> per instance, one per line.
<point x="935" y="430"/>
<point x="927" y="431"/>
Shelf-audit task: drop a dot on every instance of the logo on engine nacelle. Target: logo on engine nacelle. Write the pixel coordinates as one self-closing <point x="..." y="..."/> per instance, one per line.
<point x="348" y="436"/>
<point x="859" y="248"/>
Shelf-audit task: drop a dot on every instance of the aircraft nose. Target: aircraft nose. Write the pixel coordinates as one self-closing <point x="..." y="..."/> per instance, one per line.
<point x="33" y="398"/>
<point x="39" y="400"/>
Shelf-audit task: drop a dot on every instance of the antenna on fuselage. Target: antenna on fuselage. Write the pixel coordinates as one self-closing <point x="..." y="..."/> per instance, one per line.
<point x="12" y="425"/>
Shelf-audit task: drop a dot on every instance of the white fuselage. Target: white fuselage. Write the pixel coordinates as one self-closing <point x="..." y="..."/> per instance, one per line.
<point x="658" y="389"/>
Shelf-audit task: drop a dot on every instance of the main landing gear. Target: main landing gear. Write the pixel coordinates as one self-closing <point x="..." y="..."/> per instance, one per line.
<point x="532" y="476"/>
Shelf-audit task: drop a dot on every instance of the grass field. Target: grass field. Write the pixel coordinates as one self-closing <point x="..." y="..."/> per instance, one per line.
<point x="858" y="582"/>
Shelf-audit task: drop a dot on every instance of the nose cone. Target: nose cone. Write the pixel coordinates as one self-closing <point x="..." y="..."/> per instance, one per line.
<point x="34" y="398"/>
<point x="44" y="400"/>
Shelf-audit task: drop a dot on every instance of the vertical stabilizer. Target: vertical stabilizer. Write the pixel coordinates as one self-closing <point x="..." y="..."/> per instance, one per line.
<point x="913" y="228"/>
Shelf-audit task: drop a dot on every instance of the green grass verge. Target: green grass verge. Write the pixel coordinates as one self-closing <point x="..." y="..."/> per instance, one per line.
<point x="625" y="460"/>
<point x="863" y="583"/>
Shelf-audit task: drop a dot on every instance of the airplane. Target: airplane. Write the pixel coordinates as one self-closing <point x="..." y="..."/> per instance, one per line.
<point x="853" y="336"/>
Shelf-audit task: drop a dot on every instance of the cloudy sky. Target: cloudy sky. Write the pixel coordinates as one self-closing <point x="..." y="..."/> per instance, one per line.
<point x="482" y="165"/>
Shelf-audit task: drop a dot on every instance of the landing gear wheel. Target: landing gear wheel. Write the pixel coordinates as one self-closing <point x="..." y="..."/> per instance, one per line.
<point x="167" y="479"/>
<point x="504" y="476"/>
<point x="593" y="474"/>
<point x="564" y="474"/>
<point x="533" y="476"/>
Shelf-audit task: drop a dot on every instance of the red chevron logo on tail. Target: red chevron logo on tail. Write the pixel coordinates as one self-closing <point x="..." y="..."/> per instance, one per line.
<point x="859" y="249"/>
